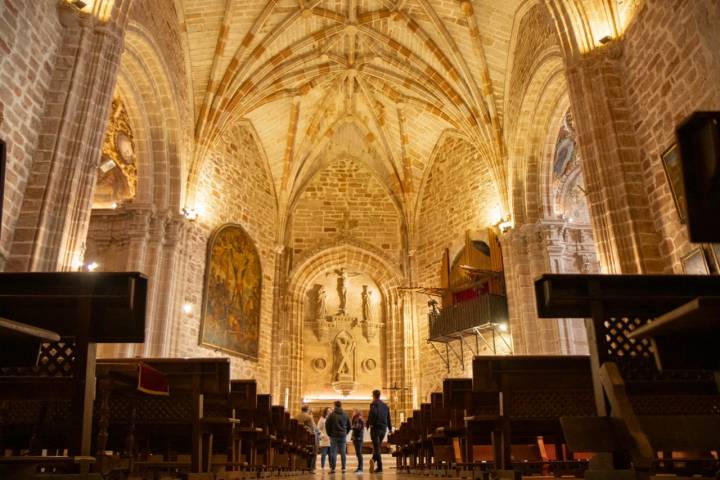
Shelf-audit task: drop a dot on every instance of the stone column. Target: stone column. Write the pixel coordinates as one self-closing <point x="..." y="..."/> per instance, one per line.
<point x="624" y="232"/>
<point x="56" y="207"/>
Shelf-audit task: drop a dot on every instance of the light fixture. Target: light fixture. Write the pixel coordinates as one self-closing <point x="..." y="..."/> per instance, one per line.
<point x="190" y="213"/>
<point x="187" y="308"/>
<point x="605" y="40"/>
<point x="92" y="266"/>
<point x="505" y="225"/>
<point x="503" y="327"/>
<point x="114" y="205"/>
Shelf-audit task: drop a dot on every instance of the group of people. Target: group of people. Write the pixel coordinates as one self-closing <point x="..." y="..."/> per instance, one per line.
<point x="334" y="426"/>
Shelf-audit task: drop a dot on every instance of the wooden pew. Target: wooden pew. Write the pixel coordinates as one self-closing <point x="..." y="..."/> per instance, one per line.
<point x="174" y="432"/>
<point x="533" y="393"/>
<point x="244" y="399"/>
<point x="264" y="444"/>
<point x="643" y="410"/>
<point x="47" y="384"/>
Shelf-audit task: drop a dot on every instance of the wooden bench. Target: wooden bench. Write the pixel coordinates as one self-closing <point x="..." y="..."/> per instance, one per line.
<point x="532" y="393"/>
<point x="644" y="410"/>
<point x="174" y="432"/>
<point x="47" y="383"/>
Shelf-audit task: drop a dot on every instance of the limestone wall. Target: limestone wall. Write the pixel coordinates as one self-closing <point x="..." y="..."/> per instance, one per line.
<point x="671" y="67"/>
<point x="345" y="200"/>
<point x="234" y="187"/>
<point x="458" y="195"/>
<point x="30" y="35"/>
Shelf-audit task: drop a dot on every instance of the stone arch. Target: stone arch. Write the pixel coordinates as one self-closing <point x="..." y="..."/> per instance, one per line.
<point x="143" y="80"/>
<point x="546" y="89"/>
<point x="385" y="275"/>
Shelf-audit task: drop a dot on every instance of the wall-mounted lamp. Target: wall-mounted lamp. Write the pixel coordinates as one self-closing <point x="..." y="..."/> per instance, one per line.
<point x="505" y="225"/>
<point x="503" y="327"/>
<point x="190" y="213"/>
<point x="187" y="308"/>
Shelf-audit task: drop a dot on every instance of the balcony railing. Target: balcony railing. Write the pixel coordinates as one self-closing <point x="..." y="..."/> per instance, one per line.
<point x="464" y="316"/>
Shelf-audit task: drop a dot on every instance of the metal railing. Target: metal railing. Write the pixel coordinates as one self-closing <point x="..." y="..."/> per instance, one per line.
<point x="462" y="316"/>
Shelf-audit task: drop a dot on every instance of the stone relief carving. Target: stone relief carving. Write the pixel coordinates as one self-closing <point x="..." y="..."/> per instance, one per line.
<point x="342" y="317"/>
<point x="344" y="362"/>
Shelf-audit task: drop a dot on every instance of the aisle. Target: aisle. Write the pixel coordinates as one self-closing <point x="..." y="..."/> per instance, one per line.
<point x="388" y="468"/>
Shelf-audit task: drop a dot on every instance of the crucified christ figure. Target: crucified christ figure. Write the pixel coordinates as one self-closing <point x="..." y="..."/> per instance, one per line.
<point x="342" y="287"/>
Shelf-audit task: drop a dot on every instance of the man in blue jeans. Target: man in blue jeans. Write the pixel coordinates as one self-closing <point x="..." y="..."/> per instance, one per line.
<point x="379" y="424"/>
<point x="337" y="426"/>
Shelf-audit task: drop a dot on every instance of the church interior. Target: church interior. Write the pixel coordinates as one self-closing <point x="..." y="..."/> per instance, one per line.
<point x="499" y="213"/>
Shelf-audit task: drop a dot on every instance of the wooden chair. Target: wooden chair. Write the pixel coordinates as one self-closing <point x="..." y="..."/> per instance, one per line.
<point x="47" y="382"/>
<point x="174" y="433"/>
<point x="644" y="410"/>
<point x="533" y="393"/>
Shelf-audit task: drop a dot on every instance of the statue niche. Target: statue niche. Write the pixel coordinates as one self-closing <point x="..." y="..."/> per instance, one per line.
<point x="369" y="325"/>
<point x="344" y="363"/>
<point x="319" y="317"/>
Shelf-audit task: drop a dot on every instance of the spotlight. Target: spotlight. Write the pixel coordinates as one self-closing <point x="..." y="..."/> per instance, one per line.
<point x="114" y="205"/>
<point x="505" y="225"/>
<point x="503" y="327"/>
<point x="187" y="308"/>
<point x="92" y="266"/>
<point x="190" y="213"/>
<point x="605" y="40"/>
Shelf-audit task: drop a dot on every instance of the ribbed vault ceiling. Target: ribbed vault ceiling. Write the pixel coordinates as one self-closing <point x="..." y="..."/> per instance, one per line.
<point x="377" y="79"/>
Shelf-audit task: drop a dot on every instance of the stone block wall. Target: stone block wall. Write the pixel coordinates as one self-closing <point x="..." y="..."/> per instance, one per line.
<point x="458" y="195"/>
<point x="671" y="66"/>
<point x="30" y="35"/>
<point x="345" y="199"/>
<point x="234" y="188"/>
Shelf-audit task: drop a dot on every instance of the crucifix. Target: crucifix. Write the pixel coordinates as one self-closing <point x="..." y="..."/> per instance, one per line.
<point x="342" y="287"/>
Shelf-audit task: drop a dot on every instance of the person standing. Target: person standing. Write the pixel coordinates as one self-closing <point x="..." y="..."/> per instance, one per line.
<point x="379" y="423"/>
<point x="358" y="433"/>
<point x="337" y="426"/>
<point x="324" y="441"/>
<point x="306" y="420"/>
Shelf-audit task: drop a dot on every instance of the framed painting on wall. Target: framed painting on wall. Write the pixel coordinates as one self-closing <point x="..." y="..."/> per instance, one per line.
<point x="673" y="170"/>
<point x="695" y="263"/>
<point x="231" y="296"/>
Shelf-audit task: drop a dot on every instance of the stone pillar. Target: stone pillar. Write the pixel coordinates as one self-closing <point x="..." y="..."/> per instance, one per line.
<point x="55" y="212"/>
<point x="624" y="232"/>
<point x="280" y="371"/>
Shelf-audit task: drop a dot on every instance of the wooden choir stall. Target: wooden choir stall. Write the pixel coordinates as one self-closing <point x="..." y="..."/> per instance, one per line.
<point x="66" y="414"/>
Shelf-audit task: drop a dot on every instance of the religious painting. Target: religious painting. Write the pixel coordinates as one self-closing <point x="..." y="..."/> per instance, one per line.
<point x="673" y="169"/>
<point x="695" y="263"/>
<point x="231" y="299"/>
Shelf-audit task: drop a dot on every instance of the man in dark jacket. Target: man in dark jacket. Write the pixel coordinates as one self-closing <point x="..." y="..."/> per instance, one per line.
<point x="337" y="426"/>
<point x="379" y="423"/>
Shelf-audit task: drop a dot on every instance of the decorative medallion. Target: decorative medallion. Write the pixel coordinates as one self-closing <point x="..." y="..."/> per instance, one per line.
<point x="319" y="364"/>
<point x="369" y="364"/>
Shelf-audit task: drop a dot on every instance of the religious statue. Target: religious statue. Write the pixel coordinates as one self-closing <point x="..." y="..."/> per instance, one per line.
<point x="342" y="288"/>
<point x="320" y="306"/>
<point x="344" y="362"/>
<point x="366" y="301"/>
